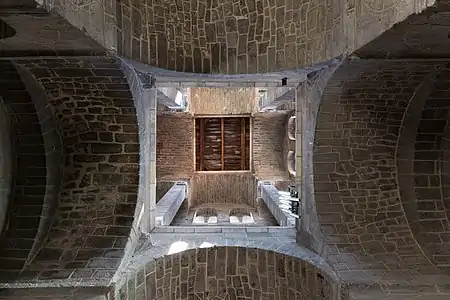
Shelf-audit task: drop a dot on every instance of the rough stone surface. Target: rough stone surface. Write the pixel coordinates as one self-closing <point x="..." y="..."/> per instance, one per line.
<point x="422" y="162"/>
<point x="39" y="33"/>
<point x="421" y="35"/>
<point x="374" y="205"/>
<point x="96" y="18"/>
<point x="356" y="176"/>
<point x="251" y="36"/>
<point x="228" y="273"/>
<point x="96" y="118"/>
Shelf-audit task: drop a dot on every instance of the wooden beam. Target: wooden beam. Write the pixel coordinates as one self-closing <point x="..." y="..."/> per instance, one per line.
<point x="202" y="142"/>
<point x="223" y="143"/>
<point x="243" y="144"/>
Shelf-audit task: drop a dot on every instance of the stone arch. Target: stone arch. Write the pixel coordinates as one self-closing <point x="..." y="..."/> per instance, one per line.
<point x="94" y="112"/>
<point x="254" y="273"/>
<point x="421" y="159"/>
<point x="53" y="152"/>
<point x="29" y="174"/>
<point x="356" y="178"/>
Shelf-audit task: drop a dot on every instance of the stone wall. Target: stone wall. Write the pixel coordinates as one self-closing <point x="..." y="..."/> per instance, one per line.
<point x="228" y="273"/>
<point x="268" y="137"/>
<point x="223" y="187"/>
<point x="250" y="36"/>
<point x="96" y="118"/>
<point x="175" y="146"/>
<point x="356" y="177"/>
<point x="419" y="36"/>
<point x="97" y="18"/>
<point x="222" y="101"/>
<point x="41" y="34"/>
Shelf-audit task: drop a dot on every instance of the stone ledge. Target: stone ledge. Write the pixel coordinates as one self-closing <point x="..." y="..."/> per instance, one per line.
<point x="271" y="197"/>
<point x="170" y="203"/>
<point x="222" y="229"/>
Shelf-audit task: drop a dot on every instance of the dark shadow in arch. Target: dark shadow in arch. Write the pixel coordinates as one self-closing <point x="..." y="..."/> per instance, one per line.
<point x="54" y="157"/>
<point x="6" y="30"/>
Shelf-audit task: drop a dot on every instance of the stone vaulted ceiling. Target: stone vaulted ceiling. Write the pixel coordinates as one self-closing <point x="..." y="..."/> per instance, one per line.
<point x="76" y="135"/>
<point x="248" y="36"/>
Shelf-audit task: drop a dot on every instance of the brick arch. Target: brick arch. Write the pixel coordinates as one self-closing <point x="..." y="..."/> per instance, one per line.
<point x="230" y="272"/>
<point x="94" y="112"/>
<point x="29" y="174"/>
<point x="356" y="178"/>
<point x="250" y="36"/>
<point x="422" y="156"/>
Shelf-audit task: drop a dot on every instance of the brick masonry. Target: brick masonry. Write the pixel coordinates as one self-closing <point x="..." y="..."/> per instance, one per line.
<point x="222" y="101"/>
<point x="269" y="143"/>
<point x="96" y="118"/>
<point x="175" y="146"/>
<point x="228" y="273"/>
<point x="162" y="187"/>
<point x="229" y="187"/>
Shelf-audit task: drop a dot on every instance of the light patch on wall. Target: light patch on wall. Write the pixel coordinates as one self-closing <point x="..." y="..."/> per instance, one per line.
<point x="179" y="99"/>
<point x="177" y="247"/>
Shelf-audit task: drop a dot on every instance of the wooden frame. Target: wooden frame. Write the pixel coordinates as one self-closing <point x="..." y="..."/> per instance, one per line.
<point x="240" y="143"/>
<point x="222" y="139"/>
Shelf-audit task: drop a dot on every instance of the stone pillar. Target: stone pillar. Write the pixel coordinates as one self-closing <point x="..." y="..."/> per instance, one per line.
<point x="149" y="152"/>
<point x="299" y="94"/>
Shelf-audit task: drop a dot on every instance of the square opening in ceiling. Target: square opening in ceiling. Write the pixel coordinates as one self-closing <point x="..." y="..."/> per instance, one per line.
<point x="222" y="144"/>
